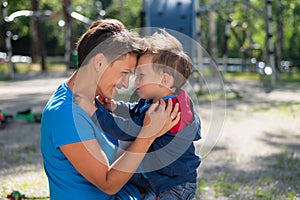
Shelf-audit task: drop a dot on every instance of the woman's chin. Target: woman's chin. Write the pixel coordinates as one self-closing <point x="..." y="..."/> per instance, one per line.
<point x="114" y="93"/>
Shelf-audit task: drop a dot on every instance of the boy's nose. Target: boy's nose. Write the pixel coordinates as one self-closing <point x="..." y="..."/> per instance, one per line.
<point x="136" y="81"/>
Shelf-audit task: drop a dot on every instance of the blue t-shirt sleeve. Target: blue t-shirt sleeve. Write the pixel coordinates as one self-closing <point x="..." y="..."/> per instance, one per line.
<point x="71" y="125"/>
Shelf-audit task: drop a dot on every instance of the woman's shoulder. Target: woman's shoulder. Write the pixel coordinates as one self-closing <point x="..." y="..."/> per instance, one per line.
<point x="61" y="97"/>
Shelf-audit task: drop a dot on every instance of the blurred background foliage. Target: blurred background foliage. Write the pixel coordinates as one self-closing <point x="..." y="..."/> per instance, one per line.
<point x="53" y="34"/>
<point x="286" y="18"/>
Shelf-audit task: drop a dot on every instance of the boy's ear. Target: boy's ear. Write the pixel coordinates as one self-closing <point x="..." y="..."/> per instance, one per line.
<point x="167" y="80"/>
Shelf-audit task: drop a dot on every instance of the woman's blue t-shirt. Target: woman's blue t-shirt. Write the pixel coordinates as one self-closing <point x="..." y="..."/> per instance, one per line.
<point x="64" y="122"/>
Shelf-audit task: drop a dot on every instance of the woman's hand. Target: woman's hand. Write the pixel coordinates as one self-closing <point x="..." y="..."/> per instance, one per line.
<point x="86" y="104"/>
<point x="159" y="119"/>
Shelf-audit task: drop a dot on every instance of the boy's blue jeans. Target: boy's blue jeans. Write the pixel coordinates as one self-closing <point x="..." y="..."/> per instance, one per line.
<point x="186" y="191"/>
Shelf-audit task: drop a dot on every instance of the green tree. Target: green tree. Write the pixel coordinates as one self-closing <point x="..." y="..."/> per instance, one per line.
<point x="285" y="25"/>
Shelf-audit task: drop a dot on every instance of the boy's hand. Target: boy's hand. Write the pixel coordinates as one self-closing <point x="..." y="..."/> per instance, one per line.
<point x="107" y="103"/>
<point x="86" y="104"/>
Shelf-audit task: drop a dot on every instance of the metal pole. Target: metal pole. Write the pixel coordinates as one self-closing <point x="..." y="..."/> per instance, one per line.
<point x="271" y="57"/>
<point x="8" y="36"/>
<point x="198" y="48"/>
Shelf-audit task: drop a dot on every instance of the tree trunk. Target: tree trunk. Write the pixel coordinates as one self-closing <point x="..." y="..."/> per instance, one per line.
<point x="37" y="42"/>
<point x="34" y="37"/>
<point x="280" y="27"/>
<point x="269" y="38"/>
<point x="213" y="34"/>
<point x="226" y="38"/>
<point x="68" y="45"/>
<point x="121" y="11"/>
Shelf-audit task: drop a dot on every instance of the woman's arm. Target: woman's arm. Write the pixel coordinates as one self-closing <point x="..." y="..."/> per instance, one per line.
<point x="89" y="159"/>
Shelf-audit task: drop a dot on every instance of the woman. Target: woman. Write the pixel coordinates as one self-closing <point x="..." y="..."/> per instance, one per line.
<point x="78" y="157"/>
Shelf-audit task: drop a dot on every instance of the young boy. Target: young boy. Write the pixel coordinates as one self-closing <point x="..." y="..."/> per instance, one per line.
<point x="169" y="170"/>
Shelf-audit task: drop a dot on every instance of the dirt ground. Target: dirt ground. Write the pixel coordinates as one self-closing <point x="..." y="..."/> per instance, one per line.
<point x="259" y="148"/>
<point x="252" y="143"/>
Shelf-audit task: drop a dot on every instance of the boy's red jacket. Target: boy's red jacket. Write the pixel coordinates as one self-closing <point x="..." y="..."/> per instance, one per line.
<point x="186" y="115"/>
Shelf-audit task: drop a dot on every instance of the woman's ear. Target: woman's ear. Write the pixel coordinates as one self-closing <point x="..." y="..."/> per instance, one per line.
<point x="98" y="62"/>
<point x="167" y="80"/>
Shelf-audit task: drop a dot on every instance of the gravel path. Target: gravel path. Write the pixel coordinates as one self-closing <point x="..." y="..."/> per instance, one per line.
<point x="20" y="158"/>
<point x="259" y="140"/>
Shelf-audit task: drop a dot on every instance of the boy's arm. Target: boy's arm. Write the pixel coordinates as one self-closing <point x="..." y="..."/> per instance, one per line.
<point x="118" y="127"/>
<point x="120" y="108"/>
<point x="124" y="109"/>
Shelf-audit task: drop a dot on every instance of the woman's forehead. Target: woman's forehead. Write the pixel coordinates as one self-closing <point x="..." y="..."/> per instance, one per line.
<point x="128" y="61"/>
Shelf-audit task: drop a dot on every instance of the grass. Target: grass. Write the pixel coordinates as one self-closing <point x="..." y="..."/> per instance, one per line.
<point x="22" y="68"/>
<point x="287" y="109"/>
<point x="224" y="187"/>
<point x="27" y="180"/>
<point x="242" y="76"/>
<point x="286" y="76"/>
<point x="280" y="80"/>
<point x="279" y="180"/>
<point x="292" y="77"/>
<point x="206" y="96"/>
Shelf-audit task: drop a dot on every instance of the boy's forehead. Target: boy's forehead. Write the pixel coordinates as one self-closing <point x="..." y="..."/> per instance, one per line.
<point x="144" y="67"/>
<point x="145" y="59"/>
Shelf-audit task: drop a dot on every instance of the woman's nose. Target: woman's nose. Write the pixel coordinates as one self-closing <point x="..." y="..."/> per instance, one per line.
<point x="125" y="83"/>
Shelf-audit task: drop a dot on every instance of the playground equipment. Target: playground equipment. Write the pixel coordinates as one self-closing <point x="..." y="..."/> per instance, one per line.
<point x="4" y="119"/>
<point x="30" y="117"/>
<point x="183" y="16"/>
<point x="179" y="16"/>
<point x="27" y="115"/>
<point x="16" y="195"/>
<point x="8" y="34"/>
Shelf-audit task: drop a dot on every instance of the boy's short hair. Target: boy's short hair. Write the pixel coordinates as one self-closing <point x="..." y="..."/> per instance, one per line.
<point x="162" y="40"/>
<point x="169" y="57"/>
<point x="110" y="37"/>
